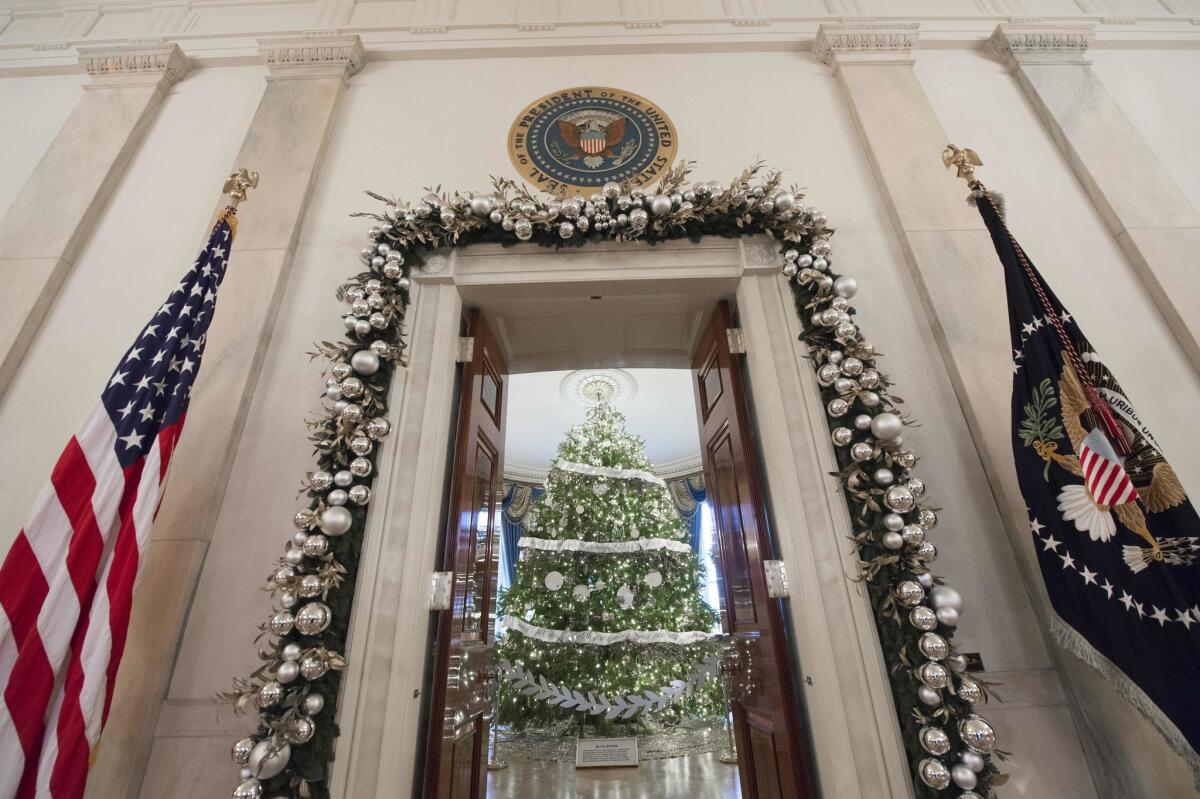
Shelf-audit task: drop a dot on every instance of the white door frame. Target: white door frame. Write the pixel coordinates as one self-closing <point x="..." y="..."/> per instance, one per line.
<point x="842" y="680"/>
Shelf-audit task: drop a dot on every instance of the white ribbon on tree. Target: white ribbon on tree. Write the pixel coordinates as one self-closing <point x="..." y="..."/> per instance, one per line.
<point x="602" y="547"/>
<point x="605" y="639"/>
<point x="624" y="706"/>
<point x="608" y="471"/>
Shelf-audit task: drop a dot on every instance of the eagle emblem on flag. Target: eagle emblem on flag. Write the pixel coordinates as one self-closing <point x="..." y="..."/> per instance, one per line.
<point x="592" y="133"/>
<point x="1115" y="489"/>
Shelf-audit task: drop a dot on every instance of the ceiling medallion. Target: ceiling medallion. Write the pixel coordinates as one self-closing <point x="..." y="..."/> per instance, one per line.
<point x="588" y="387"/>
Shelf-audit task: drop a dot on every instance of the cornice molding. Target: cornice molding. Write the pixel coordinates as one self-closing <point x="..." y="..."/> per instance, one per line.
<point x="1039" y="43"/>
<point x="872" y="42"/>
<point x="135" y="64"/>
<point x="313" y="55"/>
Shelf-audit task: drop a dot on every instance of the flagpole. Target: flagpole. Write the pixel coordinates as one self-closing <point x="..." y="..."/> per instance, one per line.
<point x="964" y="160"/>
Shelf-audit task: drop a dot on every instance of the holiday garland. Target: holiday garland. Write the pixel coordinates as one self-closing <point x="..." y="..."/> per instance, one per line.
<point x="294" y="691"/>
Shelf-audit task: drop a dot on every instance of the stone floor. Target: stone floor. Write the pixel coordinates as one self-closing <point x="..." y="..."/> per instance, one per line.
<point x="691" y="777"/>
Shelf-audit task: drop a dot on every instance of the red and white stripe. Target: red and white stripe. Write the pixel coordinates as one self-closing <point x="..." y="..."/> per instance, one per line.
<point x="1103" y="471"/>
<point x="66" y="591"/>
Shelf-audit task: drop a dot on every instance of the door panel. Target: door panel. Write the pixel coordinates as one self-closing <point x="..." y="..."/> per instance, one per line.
<point x="463" y="669"/>
<point x="773" y="753"/>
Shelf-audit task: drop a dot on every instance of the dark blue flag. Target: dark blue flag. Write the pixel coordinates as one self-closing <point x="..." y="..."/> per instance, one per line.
<point x="1117" y="540"/>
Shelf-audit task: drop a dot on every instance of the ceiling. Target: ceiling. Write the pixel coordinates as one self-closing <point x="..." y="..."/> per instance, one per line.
<point x="657" y="403"/>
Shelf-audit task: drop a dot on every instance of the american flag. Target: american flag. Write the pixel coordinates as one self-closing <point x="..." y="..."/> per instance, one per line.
<point x="66" y="586"/>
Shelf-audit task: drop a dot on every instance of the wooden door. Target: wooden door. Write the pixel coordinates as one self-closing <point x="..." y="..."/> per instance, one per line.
<point x="464" y="669"/>
<point x="772" y="751"/>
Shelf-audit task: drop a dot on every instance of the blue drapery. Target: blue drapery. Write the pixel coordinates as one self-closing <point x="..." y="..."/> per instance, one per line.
<point x="691" y="506"/>
<point x="511" y="520"/>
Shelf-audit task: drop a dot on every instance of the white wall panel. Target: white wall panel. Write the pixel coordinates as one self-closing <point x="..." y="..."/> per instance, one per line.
<point x="32" y="110"/>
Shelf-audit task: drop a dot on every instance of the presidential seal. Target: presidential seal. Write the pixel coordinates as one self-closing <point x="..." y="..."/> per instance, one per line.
<point x="584" y="137"/>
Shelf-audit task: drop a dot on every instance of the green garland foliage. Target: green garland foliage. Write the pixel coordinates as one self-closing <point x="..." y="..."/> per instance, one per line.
<point x="290" y="753"/>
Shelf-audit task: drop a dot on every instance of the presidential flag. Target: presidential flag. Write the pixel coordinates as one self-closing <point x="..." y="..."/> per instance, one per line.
<point x="66" y="586"/>
<point x="1116" y="537"/>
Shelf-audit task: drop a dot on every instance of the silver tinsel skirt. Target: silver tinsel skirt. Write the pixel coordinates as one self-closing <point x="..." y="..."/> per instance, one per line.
<point x="689" y="737"/>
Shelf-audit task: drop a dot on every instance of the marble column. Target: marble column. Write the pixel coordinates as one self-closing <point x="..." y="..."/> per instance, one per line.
<point x="949" y="255"/>
<point x="1071" y="733"/>
<point x="286" y="144"/>
<point x="52" y="216"/>
<point x="1153" y="221"/>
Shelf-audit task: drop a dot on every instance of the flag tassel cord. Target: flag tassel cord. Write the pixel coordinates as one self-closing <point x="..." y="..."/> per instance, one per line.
<point x="965" y="160"/>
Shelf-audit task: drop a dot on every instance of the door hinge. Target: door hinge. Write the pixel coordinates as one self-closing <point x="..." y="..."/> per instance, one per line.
<point x="466" y="349"/>
<point x="777" y="579"/>
<point x="441" y="590"/>
<point x="737" y="342"/>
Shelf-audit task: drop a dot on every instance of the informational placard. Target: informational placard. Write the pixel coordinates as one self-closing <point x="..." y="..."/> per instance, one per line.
<point x="591" y="752"/>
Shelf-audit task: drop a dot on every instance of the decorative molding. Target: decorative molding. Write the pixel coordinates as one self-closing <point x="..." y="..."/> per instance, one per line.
<point x="1014" y="45"/>
<point x="866" y="42"/>
<point x="313" y="55"/>
<point x="135" y="64"/>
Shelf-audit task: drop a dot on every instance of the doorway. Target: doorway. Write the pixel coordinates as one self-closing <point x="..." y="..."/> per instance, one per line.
<point x="558" y="310"/>
<point x="755" y="668"/>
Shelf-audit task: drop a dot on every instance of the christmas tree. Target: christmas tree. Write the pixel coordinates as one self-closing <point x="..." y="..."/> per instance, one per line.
<point x="605" y="622"/>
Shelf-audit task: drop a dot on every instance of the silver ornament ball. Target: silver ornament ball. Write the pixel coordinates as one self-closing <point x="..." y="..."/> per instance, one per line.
<point x="946" y="597"/>
<point x="909" y="593"/>
<point x="893" y="521"/>
<point x="342" y="478"/>
<point x="240" y="752"/>
<point x="336" y="521"/>
<point x="922" y="618"/>
<point x="935" y="675"/>
<point x="337" y="496"/>
<point x="899" y="499"/>
<point x="313" y="703"/>
<point x="365" y="362"/>
<point x="313" y="667"/>
<point x="291" y="651"/>
<point x="313" y="618"/>
<point x="268" y="760"/>
<point x="862" y="451"/>
<point x="977" y="734"/>
<point x="969" y="690"/>
<point x="842" y="436"/>
<point x="948" y="616"/>
<point x="883" y="476"/>
<point x="361" y="445"/>
<point x="378" y="428"/>
<point x="360" y="467"/>
<point x="837" y="407"/>
<point x="862" y="421"/>
<point x="914" y="534"/>
<point x="316" y="546"/>
<point x="887" y="426"/>
<point x="300" y="730"/>
<point x="963" y="777"/>
<point x="934" y="774"/>
<point x="933" y="646"/>
<point x="934" y="740"/>
<point x="892" y="541"/>
<point x="320" y="481"/>
<point x="845" y="287"/>
<point x="360" y="495"/>
<point x="287" y="672"/>
<point x="928" y="696"/>
<point x="973" y="761"/>
<point x="281" y="623"/>
<point x="269" y="694"/>
<point x="248" y="789"/>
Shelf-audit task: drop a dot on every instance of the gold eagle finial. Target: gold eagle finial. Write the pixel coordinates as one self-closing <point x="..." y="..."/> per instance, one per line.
<point x="962" y="159"/>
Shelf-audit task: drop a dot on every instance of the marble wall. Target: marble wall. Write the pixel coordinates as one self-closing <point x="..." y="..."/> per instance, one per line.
<point x="411" y="119"/>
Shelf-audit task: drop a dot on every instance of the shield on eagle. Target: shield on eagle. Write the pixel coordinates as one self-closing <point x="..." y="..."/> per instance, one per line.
<point x="591" y="134"/>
